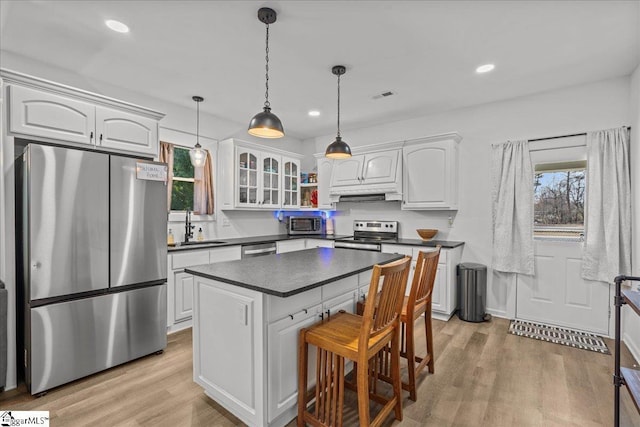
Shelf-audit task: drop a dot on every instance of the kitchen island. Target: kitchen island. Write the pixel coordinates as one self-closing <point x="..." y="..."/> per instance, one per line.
<point x="247" y="315"/>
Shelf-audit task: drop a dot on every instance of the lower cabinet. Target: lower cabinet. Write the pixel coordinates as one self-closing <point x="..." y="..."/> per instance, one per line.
<point x="183" y="303"/>
<point x="283" y="359"/>
<point x="180" y="284"/>
<point x="246" y="344"/>
<point x="319" y="243"/>
<point x="444" y="298"/>
<point x="284" y="246"/>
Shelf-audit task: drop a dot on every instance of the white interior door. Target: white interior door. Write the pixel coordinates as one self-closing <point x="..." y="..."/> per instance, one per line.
<point x="557" y="295"/>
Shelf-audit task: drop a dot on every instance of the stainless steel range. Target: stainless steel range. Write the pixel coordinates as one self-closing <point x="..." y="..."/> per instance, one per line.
<point x="369" y="235"/>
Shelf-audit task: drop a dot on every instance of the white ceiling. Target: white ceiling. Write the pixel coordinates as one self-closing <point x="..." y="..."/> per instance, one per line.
<point x="425" y="51"/>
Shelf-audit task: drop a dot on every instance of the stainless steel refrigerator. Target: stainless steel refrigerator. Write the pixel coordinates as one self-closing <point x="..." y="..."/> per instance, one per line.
<point x="92" y="263"/>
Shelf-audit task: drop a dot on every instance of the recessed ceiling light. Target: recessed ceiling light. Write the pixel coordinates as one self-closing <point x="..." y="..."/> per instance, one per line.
<point x="485" y="68"/>
<point x="314" y="113"/>
<point x="117" y="26"/>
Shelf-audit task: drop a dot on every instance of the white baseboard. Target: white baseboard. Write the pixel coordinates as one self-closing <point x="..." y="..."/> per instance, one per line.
<point x="498" y="313"/>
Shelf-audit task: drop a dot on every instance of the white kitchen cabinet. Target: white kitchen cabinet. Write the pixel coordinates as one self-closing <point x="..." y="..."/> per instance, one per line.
<point x="319" y="243"/>
<point x="283" y="359"/>
<point x="260" y="340"/>
<point x="284" y="246"/>
<point x="68" y="119"/>
<point x="347" y="172"/>
<point x="259" y="179"/>
<point x="291" y="183"/>
<point x="324" y="168"/>
<point x="430" y="173"/>
<point x="180" y="284"/>
<point x="37" y="113"/>
<point x="183" y="304"/>
<point x="125" y="131"/>
<point x="444" y="298"/>
<point x="379" y="167"/>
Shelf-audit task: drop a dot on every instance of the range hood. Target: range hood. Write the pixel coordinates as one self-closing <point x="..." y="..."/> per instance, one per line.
<point x="366" y="197"/>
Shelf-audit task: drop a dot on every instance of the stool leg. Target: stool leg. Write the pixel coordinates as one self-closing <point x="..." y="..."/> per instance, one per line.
<point x="411" y="359"/>
<point x="395" y="372"/>
<point x="428" y="327"/>
<point x="363" y="391"/>
<point x="303" y="349"/>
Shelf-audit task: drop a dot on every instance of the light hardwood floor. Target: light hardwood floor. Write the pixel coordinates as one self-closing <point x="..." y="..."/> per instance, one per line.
<point x="483" y="377"/>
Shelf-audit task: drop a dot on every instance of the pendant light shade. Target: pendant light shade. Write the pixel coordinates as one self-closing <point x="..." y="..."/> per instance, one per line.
<point x="266" y="124"/>
<point x="197" y="154"/>
<point x="338" y="149"/>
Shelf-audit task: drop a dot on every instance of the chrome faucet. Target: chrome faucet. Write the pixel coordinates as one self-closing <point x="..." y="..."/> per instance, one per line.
<point x="188" y="228"/>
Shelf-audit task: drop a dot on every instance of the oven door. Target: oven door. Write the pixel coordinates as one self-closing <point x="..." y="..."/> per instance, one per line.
<point x="375" y="247"/>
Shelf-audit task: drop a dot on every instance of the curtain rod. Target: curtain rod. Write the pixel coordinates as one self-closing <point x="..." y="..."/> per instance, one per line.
<point x="565" y="136"/>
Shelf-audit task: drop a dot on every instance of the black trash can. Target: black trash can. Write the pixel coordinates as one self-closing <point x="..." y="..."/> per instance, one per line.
<point x="472" y="292"/>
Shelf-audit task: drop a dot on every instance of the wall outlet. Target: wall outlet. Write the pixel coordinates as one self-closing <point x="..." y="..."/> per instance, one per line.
<point x="225" y="222"/>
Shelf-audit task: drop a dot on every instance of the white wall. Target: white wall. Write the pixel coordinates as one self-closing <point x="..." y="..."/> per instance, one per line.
<point x="630" y="320"/>
<point x="571" y="110"/>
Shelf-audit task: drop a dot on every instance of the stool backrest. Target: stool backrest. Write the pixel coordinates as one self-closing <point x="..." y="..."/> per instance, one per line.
<point x="380" y="319"/>
<point x="423" y="279"/>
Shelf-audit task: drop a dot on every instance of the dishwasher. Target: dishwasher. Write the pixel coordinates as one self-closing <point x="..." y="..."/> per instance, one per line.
<point x="249" y="251"/>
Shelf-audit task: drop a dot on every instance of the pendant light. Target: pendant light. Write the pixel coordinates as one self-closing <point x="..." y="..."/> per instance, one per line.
<point x="266" y="124"/>
<point x="197" y="154"/>
<point x="338" y="149"/>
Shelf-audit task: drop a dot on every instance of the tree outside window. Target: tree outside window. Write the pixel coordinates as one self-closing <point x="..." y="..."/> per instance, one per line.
<point x="559" y="191"/>
<point x="183" y="181"/>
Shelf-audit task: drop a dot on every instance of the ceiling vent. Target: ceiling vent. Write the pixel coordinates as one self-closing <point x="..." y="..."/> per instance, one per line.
<point x="384" y="94"/>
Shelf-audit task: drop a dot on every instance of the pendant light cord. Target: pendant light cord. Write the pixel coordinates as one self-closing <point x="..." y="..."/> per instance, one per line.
<point x="338" y="105"/>
<point x="198" y="124"/>
<point x="266" y="94"/>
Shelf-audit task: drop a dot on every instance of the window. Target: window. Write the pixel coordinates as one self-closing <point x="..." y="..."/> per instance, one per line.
<point x="183" y="181"/>
<point x="559" y="192"/>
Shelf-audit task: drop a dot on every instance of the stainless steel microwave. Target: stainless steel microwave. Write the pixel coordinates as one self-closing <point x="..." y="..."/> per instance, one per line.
<point x="305" y="225"/>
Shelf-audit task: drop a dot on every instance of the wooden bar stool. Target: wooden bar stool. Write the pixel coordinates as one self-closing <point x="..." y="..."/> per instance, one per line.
<point x="358" y="338"/>
<point x="417" y="303"/>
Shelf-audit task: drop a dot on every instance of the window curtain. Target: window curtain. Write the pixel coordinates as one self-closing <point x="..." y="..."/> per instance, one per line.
<point x="166" y="156"/>
<point x="607" y="249"/>
<point x="203" y="188"/>
<point x="512" y="197"/>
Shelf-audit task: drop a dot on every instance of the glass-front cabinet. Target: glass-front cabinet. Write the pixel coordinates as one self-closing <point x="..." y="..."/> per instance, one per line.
<point x="263" y="177"/>
<point x="270" y="181"/>
<point x="247" y="167"/>
<point x="291" y="183"/>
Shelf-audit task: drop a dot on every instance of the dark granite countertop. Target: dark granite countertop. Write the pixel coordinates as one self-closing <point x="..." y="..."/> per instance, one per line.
<point x="448" y="244"/>
<point x="255" y="240"/>
<point x="291" y="273"/>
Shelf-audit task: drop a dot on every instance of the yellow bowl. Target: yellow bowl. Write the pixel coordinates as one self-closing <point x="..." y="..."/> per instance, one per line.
<point x="427" y="233"/>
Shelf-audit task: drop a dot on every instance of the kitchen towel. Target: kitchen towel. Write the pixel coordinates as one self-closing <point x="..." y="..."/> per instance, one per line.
<point x="512" y="197"/>
<point x="607" y="250"/>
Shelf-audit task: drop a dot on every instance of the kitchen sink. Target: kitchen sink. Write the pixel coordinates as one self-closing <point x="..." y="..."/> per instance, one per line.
<point x="200" y="242"/>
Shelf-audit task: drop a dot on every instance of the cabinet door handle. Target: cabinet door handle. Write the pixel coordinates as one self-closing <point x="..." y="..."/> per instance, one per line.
<point x="100" y="138"/>
<point x="91" y="137"/>
<point x="291" y="315"/>
<point x="321" y="315"/>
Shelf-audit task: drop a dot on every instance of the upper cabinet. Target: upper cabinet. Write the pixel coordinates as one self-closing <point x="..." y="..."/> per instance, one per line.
<point x="366" y="169"/>
<point x="374" y="169"/>
<point x="324" y="169"/>
<point x="37" y="113"/>
<point x="291" y="183"/>
<point x="430" y="178"/>
<point x="263" y="178"/>
<point x="57" y="113"/>
<point x="125" y="131"/>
